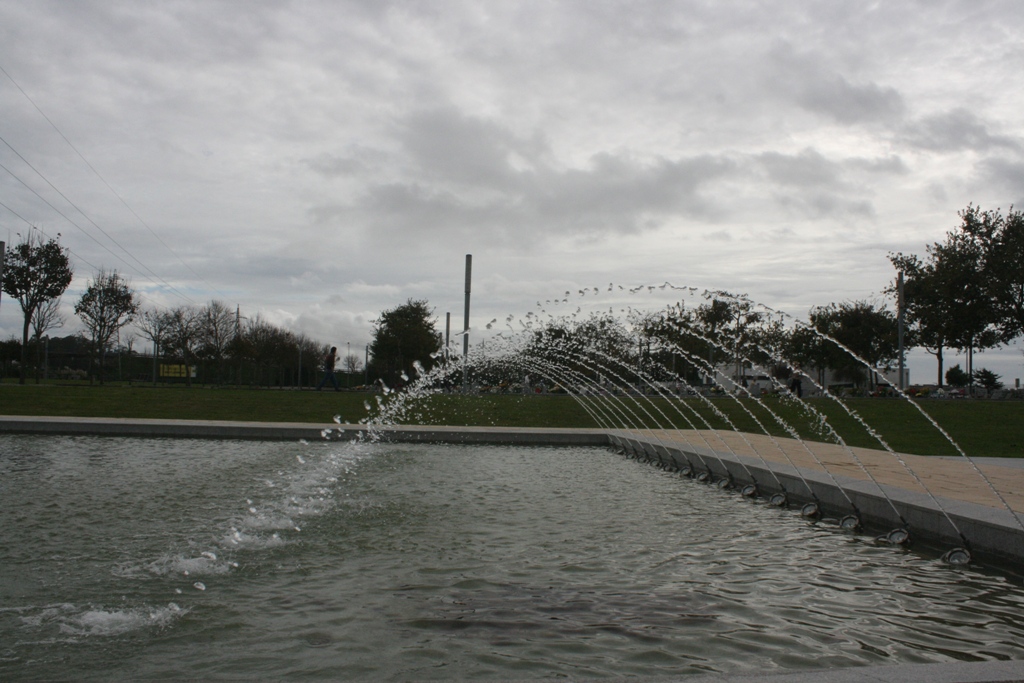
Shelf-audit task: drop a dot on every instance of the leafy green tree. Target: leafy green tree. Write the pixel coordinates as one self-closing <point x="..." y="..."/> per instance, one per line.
<point x="593" y="347"/>
<point x="865" y="331"/>
<point x="401" y="336"/>
<point x="972" y="317"/>
<point x="956" y="377"/>
<point x="951" y="295"/>
<point x="804" y="349"/>
<point x="988" y="379"/>
<point x="999" y="243"/>
<point x="929" y="301"/>
<point x="683" y="351"/>
<point x="108" y="304"/>
<point x="34" y="273"/>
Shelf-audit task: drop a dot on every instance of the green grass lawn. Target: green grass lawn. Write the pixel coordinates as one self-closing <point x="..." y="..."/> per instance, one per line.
<point x="982" y="428"/>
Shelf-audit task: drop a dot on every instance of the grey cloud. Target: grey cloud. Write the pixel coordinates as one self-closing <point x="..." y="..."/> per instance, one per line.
<point x="849" y="103"/>
<point x="818" y="205"/>
<point x="1005" y="174"/>
<point x="807" y="81"/>
<point x="955" y="130"/>
<point x="808" y="168"/>
<point x="472" y="176"/>
<point x="616" y="191"/>
<point x="451" y="146"/>
<point x="824" y="187"/>
<point x="355" y="161"/>
<point x="613" y="194"/>
<point x="891" y="164"/>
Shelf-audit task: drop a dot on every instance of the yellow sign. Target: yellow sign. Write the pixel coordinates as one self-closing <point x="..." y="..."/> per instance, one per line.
<point x="175" y="371"/>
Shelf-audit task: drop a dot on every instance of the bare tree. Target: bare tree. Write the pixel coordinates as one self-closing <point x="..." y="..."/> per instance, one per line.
<point x="217" y="331"/>
<point x="46" y="317"/>
<point x="127" y="342"/>
<point x="184" y="336"/>
<point x="153" y="325"/>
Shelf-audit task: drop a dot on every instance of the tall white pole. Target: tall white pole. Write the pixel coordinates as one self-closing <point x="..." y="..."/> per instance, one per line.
<point x="465" y="326"/>
<point x="900" y="321"/>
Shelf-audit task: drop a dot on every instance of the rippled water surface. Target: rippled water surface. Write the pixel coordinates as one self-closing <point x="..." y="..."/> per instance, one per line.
<point x="125" y="558"/>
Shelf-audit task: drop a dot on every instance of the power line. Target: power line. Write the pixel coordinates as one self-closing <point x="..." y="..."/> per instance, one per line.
<point x="75" y="254"/>
<point x="33" y="227"/>
<point x="77" y="208"/>
<point x="87" y="233"/>
<point x="108" y="185"/>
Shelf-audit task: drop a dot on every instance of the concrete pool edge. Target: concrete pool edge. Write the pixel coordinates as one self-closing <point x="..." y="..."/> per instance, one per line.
<point x="947" y="672"/>
<point x="992" y="533"/>
<point x="224" y="429"/>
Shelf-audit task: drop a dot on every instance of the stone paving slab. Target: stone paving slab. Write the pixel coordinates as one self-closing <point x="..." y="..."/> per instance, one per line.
<point x="956" y="479"/>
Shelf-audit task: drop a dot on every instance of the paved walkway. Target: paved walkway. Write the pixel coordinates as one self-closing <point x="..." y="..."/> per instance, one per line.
<point x="954" y="478"/>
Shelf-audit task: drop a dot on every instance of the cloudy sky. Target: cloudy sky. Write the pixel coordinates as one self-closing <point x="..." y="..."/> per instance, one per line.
<point x="317" y="162"/>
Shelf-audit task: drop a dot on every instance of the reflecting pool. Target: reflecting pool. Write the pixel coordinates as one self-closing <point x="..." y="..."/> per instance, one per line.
<point x="134" y="558"/>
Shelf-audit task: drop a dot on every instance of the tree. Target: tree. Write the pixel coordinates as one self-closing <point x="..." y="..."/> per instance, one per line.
<point x="401" y="336"/>
<point x="183" y="336"/>
<point x="352" y="363"/>
<point x="107" y="305"/>
<point x="988" y="379"/>
<point x="928" y="303"/>
<point x="865" y="331"/>
<point x="973" y="319"/>
<point x="47" y="317"/>
<point x="999" y="242"/>
<point x="956" y="377"/>
<point x="217" y="329"/>
<point x="968" y="294"/>
<point x="154" y="326"/>
<point x="804" y="348"/>
<point x="34" y="273"/>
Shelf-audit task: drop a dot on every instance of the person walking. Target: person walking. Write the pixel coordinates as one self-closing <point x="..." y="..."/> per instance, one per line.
<point x="329" y="362"/>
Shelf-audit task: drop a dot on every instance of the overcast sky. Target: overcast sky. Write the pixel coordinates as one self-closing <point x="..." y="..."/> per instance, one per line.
<point x="318" y="162"/>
